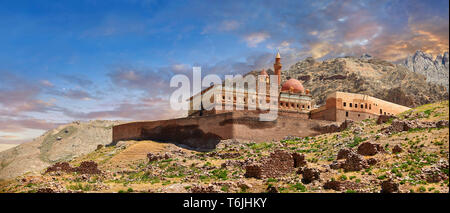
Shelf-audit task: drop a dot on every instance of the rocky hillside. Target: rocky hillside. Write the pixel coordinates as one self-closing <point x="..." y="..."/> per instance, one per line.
<point x="408" y="154"/>
<point x="365" y="75"/>
<point x="435" y="71"/>
<point x="63" y="143"/>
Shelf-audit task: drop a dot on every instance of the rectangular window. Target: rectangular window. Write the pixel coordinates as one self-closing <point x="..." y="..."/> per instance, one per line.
<point x="345" y="104"/>
<point x="350" y="104"/>
<point x="346" y="114"/>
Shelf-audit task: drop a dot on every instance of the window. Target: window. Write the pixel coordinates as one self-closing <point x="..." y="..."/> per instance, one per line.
<point x="345" y="104"/>
<point x="356" y="105"/>
<point x="346" y="114"/>
<point x="350" y="104"/>
<point x="370" y="106"/>
<point x="381" y="111"/>
<point x="366" y="106"/>
<point x="303" y="106"/>
<point x="359" y="115"/>
<point x="308" y="106"/>
<point x="384" y="113"/>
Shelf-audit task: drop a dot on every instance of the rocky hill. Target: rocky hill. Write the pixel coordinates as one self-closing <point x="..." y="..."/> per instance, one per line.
<point x="407" y="154"/>
<point x="63" y="143"/>
<point x="435" y="71"/>
<point x="365" y="75"/>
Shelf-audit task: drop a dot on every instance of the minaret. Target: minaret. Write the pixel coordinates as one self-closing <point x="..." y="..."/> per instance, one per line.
<point x="277" y="67"/>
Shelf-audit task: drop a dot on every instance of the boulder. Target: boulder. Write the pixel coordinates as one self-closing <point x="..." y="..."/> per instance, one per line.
<point x="397" y="149"/>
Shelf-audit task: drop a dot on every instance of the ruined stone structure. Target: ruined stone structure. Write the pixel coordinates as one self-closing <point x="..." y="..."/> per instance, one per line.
<point x="205" y="126"/>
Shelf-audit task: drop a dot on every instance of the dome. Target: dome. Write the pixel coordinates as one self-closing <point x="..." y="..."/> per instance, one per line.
<point x="263" y="72"/>
<point x="293" y="84"/>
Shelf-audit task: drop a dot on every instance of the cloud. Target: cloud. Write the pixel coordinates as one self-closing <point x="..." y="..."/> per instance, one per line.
<point x="254" y="39"/>
<point x="77" y="80"/>
<point x="47" y="83"/>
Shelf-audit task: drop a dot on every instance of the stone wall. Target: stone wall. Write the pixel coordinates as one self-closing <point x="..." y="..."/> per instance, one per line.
<point x="206" y="131"/>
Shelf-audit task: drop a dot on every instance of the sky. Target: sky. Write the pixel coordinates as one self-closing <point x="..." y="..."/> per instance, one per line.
<point x="62" y="61"/>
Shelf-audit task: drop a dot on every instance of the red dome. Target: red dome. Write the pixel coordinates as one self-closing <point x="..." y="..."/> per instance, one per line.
<point x="294" y="84"/>
<point x="263" y="72"/>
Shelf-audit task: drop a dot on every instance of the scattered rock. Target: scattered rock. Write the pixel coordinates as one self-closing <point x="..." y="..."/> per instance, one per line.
<point x="372" y="161"/>
<point x="45" y="190"/>
<point x="100" y="146"/>
<point x="155" y="157"/>
<point x="385" y="118"/>
<point x="205" y="189"/>
<point x="272" y="189"/>
<point x="333" y="184"/>
<point x="397" y="149"/>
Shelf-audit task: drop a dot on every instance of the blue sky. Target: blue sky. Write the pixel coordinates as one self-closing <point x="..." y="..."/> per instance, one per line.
<point x="79" y="60"/>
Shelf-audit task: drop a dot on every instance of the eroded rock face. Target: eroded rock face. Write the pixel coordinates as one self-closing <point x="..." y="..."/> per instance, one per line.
<point x="389" y="186"/>
<point x="369" y="149"/>
<point x="435" y="71"/>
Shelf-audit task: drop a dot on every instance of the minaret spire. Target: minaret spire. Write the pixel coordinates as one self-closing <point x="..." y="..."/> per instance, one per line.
<point x="277" y="67"/>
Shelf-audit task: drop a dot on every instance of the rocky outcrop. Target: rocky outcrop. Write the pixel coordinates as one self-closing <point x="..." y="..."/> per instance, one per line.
<point x="435" y="70"/>
<point x="405" y="125"/>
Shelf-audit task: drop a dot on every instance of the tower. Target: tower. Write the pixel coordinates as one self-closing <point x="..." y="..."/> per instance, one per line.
<point x="277" y="67"/>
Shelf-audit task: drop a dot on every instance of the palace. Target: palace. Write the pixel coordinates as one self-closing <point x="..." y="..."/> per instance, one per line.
<point x="297" y="114"/>
<point x="294" y="100"/>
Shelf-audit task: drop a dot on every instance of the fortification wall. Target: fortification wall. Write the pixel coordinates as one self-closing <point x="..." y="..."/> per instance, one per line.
<point x="206" y="131"/>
